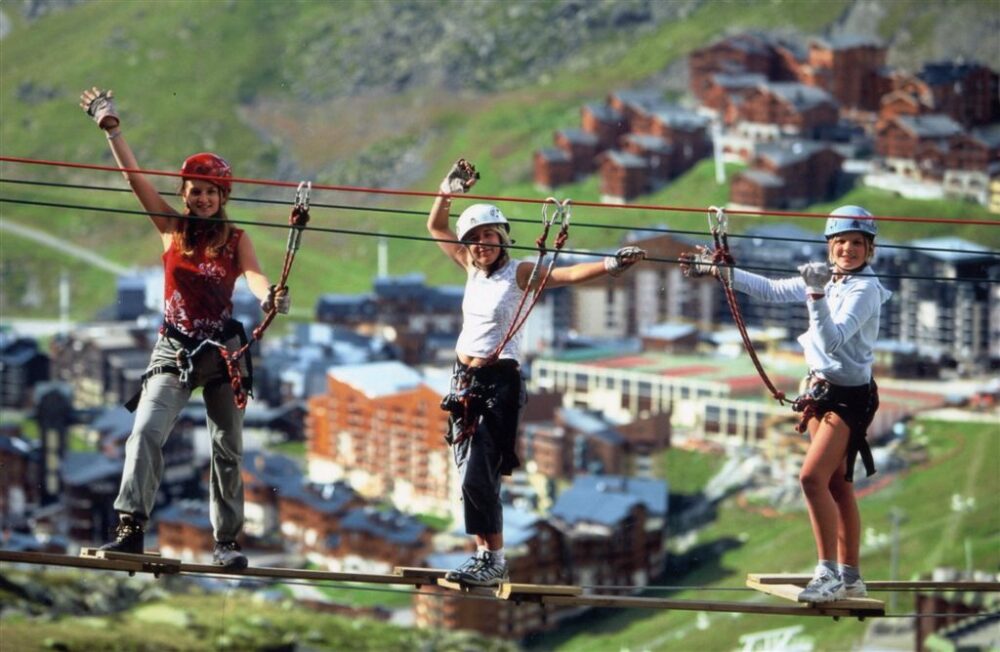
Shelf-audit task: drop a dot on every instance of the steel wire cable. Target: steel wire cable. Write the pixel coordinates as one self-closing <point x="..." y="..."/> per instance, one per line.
<point x="402" y="236"/>
<point x="524" y="200"/>
<point x="576" y="222"/>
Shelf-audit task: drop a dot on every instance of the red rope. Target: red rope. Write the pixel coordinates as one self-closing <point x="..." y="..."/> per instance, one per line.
<point x="525" y="200"/>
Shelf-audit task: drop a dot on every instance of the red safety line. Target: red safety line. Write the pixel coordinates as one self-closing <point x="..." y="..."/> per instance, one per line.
<point x="524" y="200"/>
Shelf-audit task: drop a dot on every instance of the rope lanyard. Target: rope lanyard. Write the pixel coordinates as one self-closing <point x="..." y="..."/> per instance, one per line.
<point x="463" y="381"/>
<point x="718" y="224"/>
<point x="297" y="221"/>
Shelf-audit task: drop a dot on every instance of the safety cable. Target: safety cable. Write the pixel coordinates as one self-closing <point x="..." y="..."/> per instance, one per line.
<point x="524" y="200"/>
<point x="576" y="223"/>
<point x="401" y="236"/>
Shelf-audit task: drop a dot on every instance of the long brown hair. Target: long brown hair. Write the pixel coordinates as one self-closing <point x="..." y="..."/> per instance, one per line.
<point x="212" y="234"/>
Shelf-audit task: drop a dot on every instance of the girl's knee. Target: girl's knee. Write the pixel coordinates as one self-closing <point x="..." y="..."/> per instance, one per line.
<point x="812" y="482"/>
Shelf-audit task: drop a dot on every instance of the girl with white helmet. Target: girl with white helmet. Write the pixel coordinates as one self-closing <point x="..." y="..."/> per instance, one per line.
<point x="494" y="288"/>
<point x="844" y="300"/>
<point x="203" y="255"/>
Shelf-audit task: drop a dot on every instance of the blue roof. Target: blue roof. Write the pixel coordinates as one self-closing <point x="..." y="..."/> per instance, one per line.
<point x="607" y="499"/>
<point x="192" y="512"/>
<point x="649" y="141"/>
<point x="604" y="112"/>
<point x="626" y="159"/>
<point x="390" y="525"/>
<point x="553" y="154"/>
<point x="329" y="498"/>
<point x="271" y="469"/>
<point x="114" y="421"/>
<point x="799" y="95"/>
<point x="377" y="379"/>
<point x="580" y="136"/>
<point x="931" y="125"/>
<point x="84" y="468"/>
<point x="967" y="251"/>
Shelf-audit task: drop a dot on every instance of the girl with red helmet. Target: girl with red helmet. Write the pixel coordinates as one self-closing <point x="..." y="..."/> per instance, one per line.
<point x="844" y="299"/>
<point x="494" y="287"/>
<point x="203" y="256"/>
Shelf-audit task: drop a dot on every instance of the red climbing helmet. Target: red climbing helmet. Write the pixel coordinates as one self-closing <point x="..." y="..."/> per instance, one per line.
<point x="209" y="165"/>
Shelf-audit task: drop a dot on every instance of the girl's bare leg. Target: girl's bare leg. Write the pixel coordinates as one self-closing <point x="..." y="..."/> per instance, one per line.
<point x="823" y="461"/>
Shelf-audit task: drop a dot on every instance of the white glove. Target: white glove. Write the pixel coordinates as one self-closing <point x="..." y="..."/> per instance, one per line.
<point x="98" y="105"/>
<point x="459" y="179"/>
<point x="623" y="259"/>
<point x="278" y="299"/>
<point x="697" y="263"/>
<point x="816" y="276"/>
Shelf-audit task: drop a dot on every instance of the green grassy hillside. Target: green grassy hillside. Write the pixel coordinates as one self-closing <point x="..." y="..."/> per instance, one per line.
<point x="255" y="81"/>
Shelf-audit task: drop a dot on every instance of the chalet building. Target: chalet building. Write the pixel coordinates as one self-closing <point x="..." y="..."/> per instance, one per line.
<point x="380" y="427"/>
<point x="956" y="620"/>
<point x="576" y="442"/>
<point x="20" y="481"/>
<point x="788" y="175"/>
<point x="22" y="366"/>
<point x="553" y="168"/>
<point x="581" y="146"/>
<point x="725" y="91"/>
<point x="403" y="309"/>
<point x="266" y="478"/>
<point x="89" y="488"/>
<point x="604" y="122"/>
<point x="901" y="140"/>
<point x="782" y="109"/>
<point x="102" y="363"/>
<point x="670" y="338"/>
<point x="635" y="107"/>
<point x="624" y="176"/>
<point x="535" y="555"/>
<point x="850" y="68"/>
<point x="657" y="153"/>
<point x="310" y="513"/>
<point x="750" y="53"/>
<point x="185" y="531"/>
<point x="687" y="134"/>
<point x="374" y="540"/>
<point x="968" y="92"/>
<point x="614" y="528"/>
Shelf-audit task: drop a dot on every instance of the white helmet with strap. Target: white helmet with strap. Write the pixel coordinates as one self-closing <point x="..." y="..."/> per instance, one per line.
<point x="479" y="215"/>
<point x="850" y="218"/>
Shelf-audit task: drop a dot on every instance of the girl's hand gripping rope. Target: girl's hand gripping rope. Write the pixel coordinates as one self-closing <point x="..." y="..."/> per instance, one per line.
<point x="623" y="259"/>
<point x="459" y="179"/>
<point x="277" y="300"/>
<point x="98" y="105"/>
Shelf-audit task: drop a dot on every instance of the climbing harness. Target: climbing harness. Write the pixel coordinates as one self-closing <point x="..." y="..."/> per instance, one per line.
<point x="722" y="258"/>
<point x="463" y="401"/>
<point x="185" y="355"/>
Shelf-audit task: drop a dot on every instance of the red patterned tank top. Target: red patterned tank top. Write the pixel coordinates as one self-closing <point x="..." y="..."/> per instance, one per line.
<point x="198" y="290"/>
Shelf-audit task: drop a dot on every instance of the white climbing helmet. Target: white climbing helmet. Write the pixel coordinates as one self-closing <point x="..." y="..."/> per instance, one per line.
<point x="479" y="215"/>
<point x="850" y="218"/>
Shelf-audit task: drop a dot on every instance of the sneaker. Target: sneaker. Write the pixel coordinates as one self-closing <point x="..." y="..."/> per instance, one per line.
<point x="856" y="589"/>
<point x="227" y="554"/>
<point x="129" y="536"/>
<point x="825" y="586"/>
<point x="456" y="575"/>
<point x="487" y="572"/>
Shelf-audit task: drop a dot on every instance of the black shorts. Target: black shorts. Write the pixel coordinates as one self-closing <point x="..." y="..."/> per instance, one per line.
<point x="856" y="406"/>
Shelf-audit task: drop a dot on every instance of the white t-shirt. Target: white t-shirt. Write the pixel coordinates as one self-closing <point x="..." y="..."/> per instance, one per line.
<point x="488" y="310"/>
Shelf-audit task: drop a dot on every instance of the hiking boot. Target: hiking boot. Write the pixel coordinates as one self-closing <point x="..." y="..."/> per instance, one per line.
<point x="825" y="586"/>
<point x="129" y="536"/>
<point x="227" y="554"/>
<point x="487" y="571"/>
<point x="456" y="575"/>
<point x="855" y="589"/>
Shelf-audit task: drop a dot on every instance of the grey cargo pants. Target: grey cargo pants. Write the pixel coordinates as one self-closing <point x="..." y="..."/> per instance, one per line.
<point x="163" y="397"/>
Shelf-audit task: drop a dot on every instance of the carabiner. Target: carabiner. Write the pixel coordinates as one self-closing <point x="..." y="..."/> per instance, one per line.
<point x="718" y="221"/>
<point x="546" y="222"/>
<point x="302" y="195"/>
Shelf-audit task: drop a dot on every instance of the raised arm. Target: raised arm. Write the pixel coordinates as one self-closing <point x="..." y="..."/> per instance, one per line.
<point x="98" y="105"/>
<point x="460" y="178"/>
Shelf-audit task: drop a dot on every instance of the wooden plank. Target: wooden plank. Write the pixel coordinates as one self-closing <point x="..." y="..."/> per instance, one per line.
<point x="55" y="559"/>
<point x="881" y="585"/>
<point x="467" y="588"/>
<point x="298" y="574"/>
<point x="509" y="591"/>
<point x="637" y="602"/>
<point x="153" y="562"/>
<point x="414" y="572"/>
<point x="791" y="592"/>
